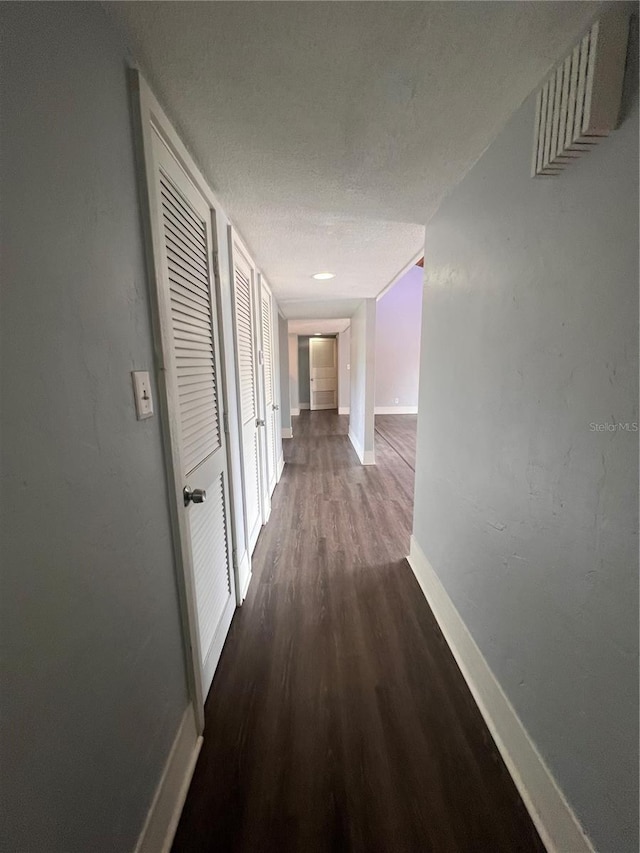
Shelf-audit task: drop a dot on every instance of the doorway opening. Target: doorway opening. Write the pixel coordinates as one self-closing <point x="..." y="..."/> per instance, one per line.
<point x="398" y="327"/>
<point x="319" y="362"/>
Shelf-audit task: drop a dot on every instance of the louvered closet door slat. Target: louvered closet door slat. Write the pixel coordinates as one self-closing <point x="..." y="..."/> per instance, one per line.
<point x="245" y="345"/>
<point x="191" y="315"/>
<point x="177" y="227"/>
<point x="176" y="224"/>
<point x="182" y="296"/>
<point x="266" y="333"/>
<point x="197" y="393"/>
<point x="187" y="276"/>
<point x="185" y="257"/>
<point x="190" y="324"/>
<point x="210" y="548"/>
<point x="182" y="210"/>
<point x="189" y="287"/>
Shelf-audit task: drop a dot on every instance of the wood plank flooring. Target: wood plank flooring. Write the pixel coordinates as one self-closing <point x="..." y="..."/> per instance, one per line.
<point x="399" y="431"/>
<point x="338" y="720"/>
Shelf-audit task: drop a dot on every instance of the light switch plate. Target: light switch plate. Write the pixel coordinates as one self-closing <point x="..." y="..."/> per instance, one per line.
<point x="142" y="394"/>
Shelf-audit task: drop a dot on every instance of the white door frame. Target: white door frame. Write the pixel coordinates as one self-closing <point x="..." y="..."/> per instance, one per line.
<point x="237" y="247"/>
<point x="149" y="118"/>
<point x="335" y="357"/>
<point x="265" y="497"/>
<point x="270" y="413"/>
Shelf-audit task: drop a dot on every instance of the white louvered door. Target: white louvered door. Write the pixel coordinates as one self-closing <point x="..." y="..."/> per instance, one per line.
<point x="270" y="407"/>
<point x="247" y="368"/>
<point x="191" y="356"/>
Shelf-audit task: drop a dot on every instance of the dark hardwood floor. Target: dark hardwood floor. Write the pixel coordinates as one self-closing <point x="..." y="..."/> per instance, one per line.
<point x="338" y="719"/>
<point x="399" y="431"/>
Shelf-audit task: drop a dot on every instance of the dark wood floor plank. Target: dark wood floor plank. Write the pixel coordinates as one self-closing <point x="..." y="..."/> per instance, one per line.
<point x="338" y="719"/>
<point x="399" y="431"/>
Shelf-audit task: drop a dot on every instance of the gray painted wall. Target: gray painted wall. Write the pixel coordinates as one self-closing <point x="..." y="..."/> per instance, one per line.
<point x="363" y="343"/>
<point x="304" y="394"/>
<point x="344" y="376"/>
<point x="93" y="675"/>
<point x="398" y="320"/>
<point x="293" y="374"/>
<point x="530" y="334"/>
<point x="283" y="348"/>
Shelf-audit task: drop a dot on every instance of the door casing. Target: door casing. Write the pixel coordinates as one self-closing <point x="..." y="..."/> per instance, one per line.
<point x="314" y="341"/>
<point x="150" y="119"/>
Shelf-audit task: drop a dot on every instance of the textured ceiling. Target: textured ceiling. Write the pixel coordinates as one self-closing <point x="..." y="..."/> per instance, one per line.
<point x="312" y="327"/>
<point x="332" y="130"/>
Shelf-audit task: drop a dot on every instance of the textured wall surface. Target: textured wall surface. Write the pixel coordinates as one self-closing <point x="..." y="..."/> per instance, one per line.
<point x="293" y="373"/>
<point x="398" y="320"/>
<point x="304" y="370"/>
<point x="527" y="513"/>
<point x="93" y="674"/>
<point x="285" y="396"/>
<point x="344" y="376"/>
<point x="304" y="394"/>
<point x="363" y="340"/>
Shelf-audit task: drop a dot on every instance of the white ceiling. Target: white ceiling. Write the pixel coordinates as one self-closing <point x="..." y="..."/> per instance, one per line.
<point x="312" y="327"/>
<point x="331" y="131"/>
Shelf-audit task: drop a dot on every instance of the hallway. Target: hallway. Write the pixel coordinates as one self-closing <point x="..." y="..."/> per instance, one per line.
<point x="337" y="719"/>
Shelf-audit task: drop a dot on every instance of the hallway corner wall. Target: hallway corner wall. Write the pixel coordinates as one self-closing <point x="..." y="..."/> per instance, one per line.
<point x="398" y="320"/>
<point x="344" y="374"/>
<point x="526" y="486"/>
<point x="304" y="392"/>
<point x="362" y="388"/>
<point x="285" y="391"/>
<point x="94" y="683"/>
<point x="294" y="403"/>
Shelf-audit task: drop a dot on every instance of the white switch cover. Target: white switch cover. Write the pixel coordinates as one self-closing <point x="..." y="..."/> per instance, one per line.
<point x="142" y="394"/>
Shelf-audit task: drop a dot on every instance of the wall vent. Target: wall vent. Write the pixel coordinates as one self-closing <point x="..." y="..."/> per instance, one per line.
<point x="579" y="103"/>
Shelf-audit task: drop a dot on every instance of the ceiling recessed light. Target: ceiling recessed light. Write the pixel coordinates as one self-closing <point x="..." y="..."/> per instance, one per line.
<point x="323" y="276"/>
<point x="317" y="333"/>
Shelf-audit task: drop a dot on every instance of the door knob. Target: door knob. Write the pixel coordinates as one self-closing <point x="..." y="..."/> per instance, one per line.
<point x="196" y="496"/>
<point x="259" y="422"/>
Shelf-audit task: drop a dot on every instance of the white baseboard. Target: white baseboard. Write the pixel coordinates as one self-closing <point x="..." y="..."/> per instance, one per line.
<point x="295" y="412"/>
<point x="367" y="457"/>
<point x="287" y="432"/>
<point x="344" y="410"/>
<point x="280" y="467"/>
<point x="396" y="410"/>
<point x="164" y="813"/>
<point x="244" y="574"/>
<point x="554" y="819"/>
<point x="304" y="406"/>
<point x="245" y="585"/>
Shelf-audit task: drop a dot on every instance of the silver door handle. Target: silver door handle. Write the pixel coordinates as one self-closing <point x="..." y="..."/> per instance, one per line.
<point x="197" y="496"/>
<point x="275" y="408"/>
<point x="259" y="422"/>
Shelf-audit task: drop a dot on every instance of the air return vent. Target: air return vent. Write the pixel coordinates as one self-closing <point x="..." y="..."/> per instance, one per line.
<point x="579" y="103"/>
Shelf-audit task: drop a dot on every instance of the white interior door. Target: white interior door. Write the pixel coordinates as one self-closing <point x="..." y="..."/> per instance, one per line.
<point x="248" y="392"/>
<point x="191" y="357"/>
<point x="270" y="405"/>
<point x="323" y="373"/>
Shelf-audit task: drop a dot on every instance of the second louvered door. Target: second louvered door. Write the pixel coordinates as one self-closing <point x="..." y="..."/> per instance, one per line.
<point x="247" y="367"/>
<point x="269" y="387"/>
<point x="191" y="356"/>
